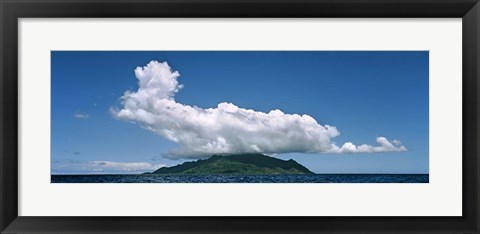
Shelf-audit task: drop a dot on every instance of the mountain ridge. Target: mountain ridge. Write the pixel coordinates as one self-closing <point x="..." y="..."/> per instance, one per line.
<point x="250" y="164"/>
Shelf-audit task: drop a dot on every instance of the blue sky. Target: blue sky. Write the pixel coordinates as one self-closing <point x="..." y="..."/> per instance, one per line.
<point x="364" y="95"/>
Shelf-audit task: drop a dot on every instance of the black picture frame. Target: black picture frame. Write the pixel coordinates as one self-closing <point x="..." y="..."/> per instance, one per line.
<point x="12" y="10"/>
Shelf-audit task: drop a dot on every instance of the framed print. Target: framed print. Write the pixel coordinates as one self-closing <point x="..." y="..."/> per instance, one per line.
<point x="232" y="144"/>
<point x="255" y="116"/>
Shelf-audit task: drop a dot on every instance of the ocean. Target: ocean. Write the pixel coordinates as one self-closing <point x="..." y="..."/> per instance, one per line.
<point x="309" y="178"/>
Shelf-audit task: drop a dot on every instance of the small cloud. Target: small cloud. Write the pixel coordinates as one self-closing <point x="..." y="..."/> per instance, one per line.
<point x="80" y="115"/>
<point x="95" y="104"/>
<point x="384" y="145"/>
<point x="72" y="166"/>
<point x="76" y="153"/>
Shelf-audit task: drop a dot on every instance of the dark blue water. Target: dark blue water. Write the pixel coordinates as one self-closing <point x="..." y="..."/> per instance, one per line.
<point x="315" y="178"/>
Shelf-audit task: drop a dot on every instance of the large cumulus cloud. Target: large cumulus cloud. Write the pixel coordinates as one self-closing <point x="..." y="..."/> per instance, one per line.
<point x="226" y="129"/>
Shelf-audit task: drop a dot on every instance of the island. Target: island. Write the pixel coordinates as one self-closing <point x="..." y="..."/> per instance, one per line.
<point x="242" y="164"/>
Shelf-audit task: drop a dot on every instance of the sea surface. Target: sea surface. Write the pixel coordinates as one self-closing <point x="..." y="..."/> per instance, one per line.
<point x="311" y="178"/>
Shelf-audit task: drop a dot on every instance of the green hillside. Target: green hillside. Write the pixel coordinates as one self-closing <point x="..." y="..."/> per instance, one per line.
<point x="245" y="164"/>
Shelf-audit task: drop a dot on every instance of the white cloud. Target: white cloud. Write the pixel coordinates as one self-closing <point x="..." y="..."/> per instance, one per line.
<point x="227" y="128"/>
<point x="80" y="115"/>
<point x="72" y="166"/>
<point x="384" y="145"/>
<point x="123" y="166"/>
